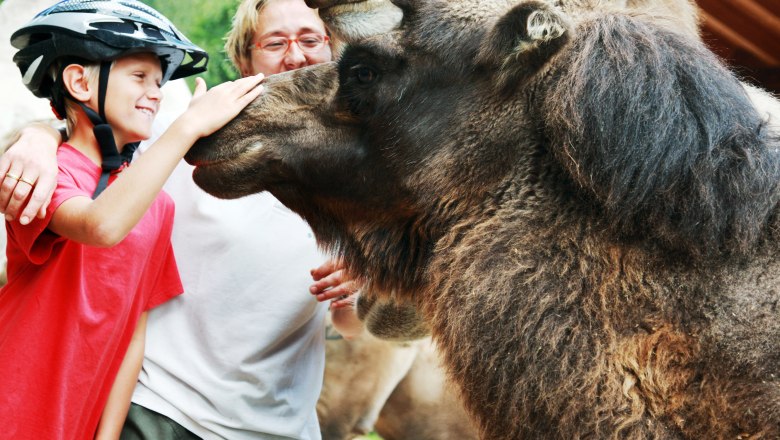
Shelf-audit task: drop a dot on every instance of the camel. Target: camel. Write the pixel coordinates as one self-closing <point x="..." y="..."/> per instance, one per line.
<point x="581" y="203"/>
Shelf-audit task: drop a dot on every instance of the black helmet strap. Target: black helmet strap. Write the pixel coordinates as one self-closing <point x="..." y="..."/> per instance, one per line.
<point x="105" y="69"/>
<point x="112" y="160"/>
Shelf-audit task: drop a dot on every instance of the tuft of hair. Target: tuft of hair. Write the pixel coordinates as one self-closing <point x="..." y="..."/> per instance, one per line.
<point x="239" y="39"/>
<point x="650" y="123"/>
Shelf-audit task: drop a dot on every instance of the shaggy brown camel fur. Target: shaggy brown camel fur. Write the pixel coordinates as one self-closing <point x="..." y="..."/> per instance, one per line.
<point x="582" y="205"/>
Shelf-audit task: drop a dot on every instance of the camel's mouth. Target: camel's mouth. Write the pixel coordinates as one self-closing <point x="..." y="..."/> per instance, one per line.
<point x="203" y="154"/>
<point x="208" y="164"/>
<point x="205" y="163"/>
<point x="220" y="179"/>
<point x="240" y="174"/>
<point x="210" y="168"/>
<point x="203" y="159"/>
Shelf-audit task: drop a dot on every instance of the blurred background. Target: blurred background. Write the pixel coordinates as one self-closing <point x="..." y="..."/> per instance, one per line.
<point x="746" y="34"/>
<point x="205" y="22"/>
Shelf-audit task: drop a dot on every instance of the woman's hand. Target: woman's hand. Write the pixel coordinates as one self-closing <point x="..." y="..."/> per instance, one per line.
<point x="333" y="283"/>
<point x="28" y="173"/>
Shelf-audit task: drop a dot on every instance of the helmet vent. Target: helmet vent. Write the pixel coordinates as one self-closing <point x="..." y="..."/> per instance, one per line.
<point x="153" y="32"/>
<point x="130" y="28"/>
<point x="122" y="27"/>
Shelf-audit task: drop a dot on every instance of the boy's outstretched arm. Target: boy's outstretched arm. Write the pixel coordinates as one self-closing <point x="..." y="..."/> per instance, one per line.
<point x="106" y="220"/>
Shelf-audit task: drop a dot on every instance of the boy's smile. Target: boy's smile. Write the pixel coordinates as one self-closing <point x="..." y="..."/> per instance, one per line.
<point x="146" y="110"/>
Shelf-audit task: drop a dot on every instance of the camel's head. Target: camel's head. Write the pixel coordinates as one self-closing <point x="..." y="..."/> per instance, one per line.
<point x="407" y="128"/>
<point x="412" y="132"/>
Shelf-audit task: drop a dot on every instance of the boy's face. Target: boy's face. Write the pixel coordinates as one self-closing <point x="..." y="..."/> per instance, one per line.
<point x="289" y="19"/>
<point x="133" y="96"/>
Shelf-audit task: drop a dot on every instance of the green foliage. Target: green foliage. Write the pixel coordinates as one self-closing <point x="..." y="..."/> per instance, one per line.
<point x="205" y="23"/>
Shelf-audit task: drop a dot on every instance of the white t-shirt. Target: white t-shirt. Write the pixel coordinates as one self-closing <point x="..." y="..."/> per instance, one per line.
<point x="241" y="354"/>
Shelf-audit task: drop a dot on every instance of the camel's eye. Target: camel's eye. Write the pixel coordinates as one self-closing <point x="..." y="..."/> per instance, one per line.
<point x="363" y="74"/>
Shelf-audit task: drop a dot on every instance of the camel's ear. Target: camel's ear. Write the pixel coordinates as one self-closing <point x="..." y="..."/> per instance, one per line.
<point x="524" y="40"/>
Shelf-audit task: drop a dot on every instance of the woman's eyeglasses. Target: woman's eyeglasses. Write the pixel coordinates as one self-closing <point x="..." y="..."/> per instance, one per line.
<point x="308" y="43"/>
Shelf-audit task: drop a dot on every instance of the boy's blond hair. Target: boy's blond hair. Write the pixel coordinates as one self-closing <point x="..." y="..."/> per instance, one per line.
<point x="239" y="40"/>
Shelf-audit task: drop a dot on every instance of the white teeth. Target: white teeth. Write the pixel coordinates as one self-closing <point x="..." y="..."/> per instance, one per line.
<point x="147" y="111"/>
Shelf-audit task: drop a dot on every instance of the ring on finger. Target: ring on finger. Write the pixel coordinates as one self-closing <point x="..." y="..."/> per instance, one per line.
<point x="22" y="179"/>
<point x="12" y="176"/>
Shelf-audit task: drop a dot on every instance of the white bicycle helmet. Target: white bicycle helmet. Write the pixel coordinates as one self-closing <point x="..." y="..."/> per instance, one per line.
<point x="101" y="30"/>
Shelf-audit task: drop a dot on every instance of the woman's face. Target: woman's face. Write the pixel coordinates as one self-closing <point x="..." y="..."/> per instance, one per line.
<point x="279" y="22"/>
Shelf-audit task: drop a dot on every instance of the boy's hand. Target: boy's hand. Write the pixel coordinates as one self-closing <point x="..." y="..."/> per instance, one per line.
<point x="210" y="110"/>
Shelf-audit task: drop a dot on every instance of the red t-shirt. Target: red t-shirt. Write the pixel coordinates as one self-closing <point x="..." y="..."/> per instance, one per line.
<point x="69" y="310"/>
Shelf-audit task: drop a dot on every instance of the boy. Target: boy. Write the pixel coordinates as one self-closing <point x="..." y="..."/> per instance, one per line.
<point x="81" y="279"/>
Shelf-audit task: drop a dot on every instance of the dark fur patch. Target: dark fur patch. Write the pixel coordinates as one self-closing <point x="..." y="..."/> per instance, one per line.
<point x="664" y="137"/>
